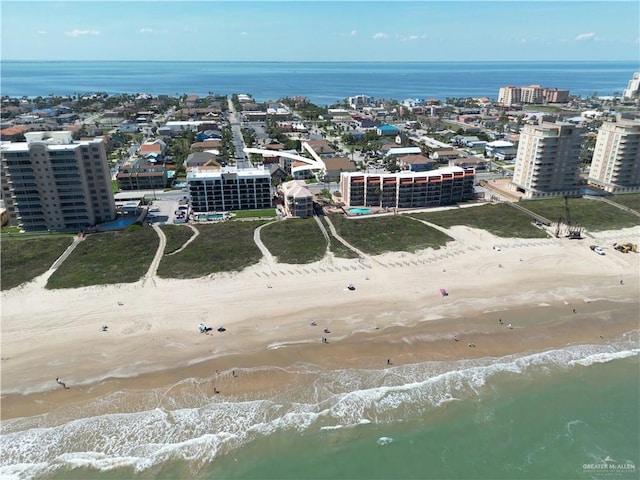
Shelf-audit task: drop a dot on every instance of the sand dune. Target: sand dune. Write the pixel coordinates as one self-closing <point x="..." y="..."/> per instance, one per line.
<point x="267" y="310"/>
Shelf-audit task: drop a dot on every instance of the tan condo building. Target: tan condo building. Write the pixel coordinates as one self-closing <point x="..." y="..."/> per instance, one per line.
<point x="615" y="167"/>
<point x="548" y="161"/>
<point x="51" y="182"/>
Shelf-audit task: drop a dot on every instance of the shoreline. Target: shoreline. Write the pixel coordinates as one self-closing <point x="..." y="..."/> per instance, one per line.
<point x="153" y="342"/>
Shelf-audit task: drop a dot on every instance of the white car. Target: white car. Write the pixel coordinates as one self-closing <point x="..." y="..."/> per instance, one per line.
<point x="599" y="250"/>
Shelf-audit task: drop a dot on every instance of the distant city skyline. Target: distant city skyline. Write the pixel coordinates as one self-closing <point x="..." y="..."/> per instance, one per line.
<point x="321" y="30"/>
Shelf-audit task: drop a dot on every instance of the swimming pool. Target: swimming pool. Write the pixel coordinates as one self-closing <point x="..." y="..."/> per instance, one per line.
<point x="118" y="224"/>
<point x="359" y="211"/>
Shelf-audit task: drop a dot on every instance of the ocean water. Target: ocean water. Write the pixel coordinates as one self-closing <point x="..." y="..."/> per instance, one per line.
<point x="567" y="413"/>
<point x="322" y="82"/>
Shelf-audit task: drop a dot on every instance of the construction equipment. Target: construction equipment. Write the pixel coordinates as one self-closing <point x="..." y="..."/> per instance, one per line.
<point x="626" y="247"/>
<point x="574" y="231"/>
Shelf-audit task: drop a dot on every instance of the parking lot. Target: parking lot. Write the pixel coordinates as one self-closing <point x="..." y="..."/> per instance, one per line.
<point x="162" y="211"/>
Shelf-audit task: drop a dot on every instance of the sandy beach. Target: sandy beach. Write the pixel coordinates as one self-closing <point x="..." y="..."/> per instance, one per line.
<point x="396" y="313"/>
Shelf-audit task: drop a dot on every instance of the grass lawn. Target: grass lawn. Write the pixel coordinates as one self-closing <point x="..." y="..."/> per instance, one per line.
<point x="176" y="236"/>
<point x="377" y="235"/>
<point x="631" y="200"/>
<point x="222" y="247"/>
<point x="23" y="259"/>
<point x="590" y="214"/>
<point x="106" y="258"/>
<point x="296" y="240"/>
<point x="267" y="212"/>
<point x="500" y="220"/>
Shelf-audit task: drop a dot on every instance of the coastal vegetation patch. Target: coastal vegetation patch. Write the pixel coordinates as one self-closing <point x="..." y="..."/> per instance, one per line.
<point x="593" y="215"/>
<point x="341" y="251"/>
<point x="630" y="200"/>
<point x="176" y="235"/>
<point x="222" y="247"/>
<point x="107" y="258"/>
<point x="23" y="259"/>
<point x="377" y="235"/>
<point x="264" y="213"/>
<point x="498" y="219"/>
<point x="295" y="241"/>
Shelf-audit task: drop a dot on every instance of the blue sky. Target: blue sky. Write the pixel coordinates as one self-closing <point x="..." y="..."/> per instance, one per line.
<point x="320" y="30"/>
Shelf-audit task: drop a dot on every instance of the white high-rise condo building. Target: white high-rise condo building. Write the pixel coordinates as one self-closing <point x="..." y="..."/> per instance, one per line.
<point x="51" y="182"/>
<point x="633" y="87"/>
<point x="615" y="167"/>
<point x="548" y="161"/>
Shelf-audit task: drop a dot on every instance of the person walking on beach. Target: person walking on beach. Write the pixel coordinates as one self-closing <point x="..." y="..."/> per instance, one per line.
<point x="60" y="382"/>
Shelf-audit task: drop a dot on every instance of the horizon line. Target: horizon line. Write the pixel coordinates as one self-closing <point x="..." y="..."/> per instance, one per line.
<point x="324" y="61"/>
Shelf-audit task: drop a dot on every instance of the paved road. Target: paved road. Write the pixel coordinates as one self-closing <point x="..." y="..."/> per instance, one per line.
<point x="242" y="161"/>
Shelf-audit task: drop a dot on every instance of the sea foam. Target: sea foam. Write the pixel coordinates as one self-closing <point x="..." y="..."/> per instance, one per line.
<point x="213" y="426"/>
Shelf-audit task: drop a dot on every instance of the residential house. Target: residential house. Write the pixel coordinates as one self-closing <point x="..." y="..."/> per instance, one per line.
<point x="199" y="159"/>
<point x="444" y="155"/>
<point x="209" y="144"/>
<point x="387" y="131"/>
<point x="416" y="163"/>
<point x="337" y="165"/>
<point x="477" y="163"/>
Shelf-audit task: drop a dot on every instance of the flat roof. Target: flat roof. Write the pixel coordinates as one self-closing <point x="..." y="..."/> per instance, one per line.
<point x="408" y="173"/>
<point x="200" y="173"/>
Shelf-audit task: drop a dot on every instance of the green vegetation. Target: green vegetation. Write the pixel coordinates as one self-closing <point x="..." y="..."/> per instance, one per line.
<point x="590" y="214"/>
<point x="179" y="149"/>
<point x="23" y="259"/>
<point x="631" y="200"/>
<point x="340" y="251"/>
<point x="377" y="235"/>
<point x="296" y="240"/>
<point x="500" y="220"/>
<point x="369" y="142"/>
<point x="10" y="229"/>
<point x="222" y="247"/>
<point x="264" y="213"/>
<point x="176" y="235"/>
<point x="114" y="186"/>
<point x="106" y="258"/>
<point x="275" y="132"/>
<point x="307" y="110"/>
<point x="543" y="108"/>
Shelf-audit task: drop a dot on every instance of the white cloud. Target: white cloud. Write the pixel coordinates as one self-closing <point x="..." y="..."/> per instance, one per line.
<point x="352" y="33"/>
<point x="413" y="38"/>
<point x="244" y="33"/>
<point x="80" y="33"/>
<point x="151" y="31"/>
<point x="41" y="32"/>
<point x="586" y="36"/>
<point x="380" y="36"/>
